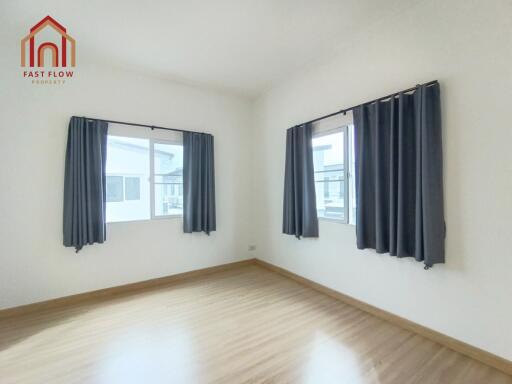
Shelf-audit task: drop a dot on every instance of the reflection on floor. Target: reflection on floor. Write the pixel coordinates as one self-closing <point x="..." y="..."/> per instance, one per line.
<point x="246" y="325"/>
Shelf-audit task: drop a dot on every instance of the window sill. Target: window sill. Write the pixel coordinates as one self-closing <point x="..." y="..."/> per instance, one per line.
<point x="337" y="221"/>
<point x="171" y="217"/>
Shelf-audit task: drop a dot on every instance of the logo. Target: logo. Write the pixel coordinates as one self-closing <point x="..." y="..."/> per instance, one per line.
<point x="46" y="50"/>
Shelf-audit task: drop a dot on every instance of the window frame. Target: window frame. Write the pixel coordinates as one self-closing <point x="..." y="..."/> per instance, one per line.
<point x="346" y="174"/>
<point x="152" y="182"/>
<point x="152" y="141"/>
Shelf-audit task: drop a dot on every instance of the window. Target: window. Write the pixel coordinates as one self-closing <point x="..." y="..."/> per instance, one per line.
<point x="117" y="184"/>
<point x="333" y="167"/>
<point x="144" y="178"/>
<point x="114" y="189"/>
<point x="168" y="179"/>
<point x="127" y="161"/>
<point x="132" y="188"/>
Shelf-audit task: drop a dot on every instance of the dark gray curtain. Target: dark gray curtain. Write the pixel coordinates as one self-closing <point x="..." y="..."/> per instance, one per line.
<point x="299" y="207"/>
<point x="399" y="176"/>
<point x="84" y="183"/>
<point x="198" y="183"/>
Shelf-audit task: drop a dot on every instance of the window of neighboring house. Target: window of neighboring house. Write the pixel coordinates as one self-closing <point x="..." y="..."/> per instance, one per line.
<point x="114" y="189"/>
<point x="140" y="172"/>
<point x="132" y="188"/>
<point x="333" y="168"/>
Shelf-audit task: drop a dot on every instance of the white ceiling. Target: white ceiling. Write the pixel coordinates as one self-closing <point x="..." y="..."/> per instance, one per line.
<point x="244" y="46"/>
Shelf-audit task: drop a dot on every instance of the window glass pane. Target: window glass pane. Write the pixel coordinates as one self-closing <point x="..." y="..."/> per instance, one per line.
<point x="328" y="160"/>
<point x="168" y="158"/>
<point x="132" y="188"/>
<point x="168" y="164"/>
<point x="352" y="176"/>
<point x="128" y="158"/>
<point x="114" y="189"/>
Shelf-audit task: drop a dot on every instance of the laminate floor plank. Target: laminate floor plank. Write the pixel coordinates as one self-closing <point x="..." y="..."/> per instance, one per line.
<point x="244" y="325"/>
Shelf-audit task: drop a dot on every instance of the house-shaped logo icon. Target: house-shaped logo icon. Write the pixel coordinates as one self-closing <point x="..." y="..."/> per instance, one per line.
<point x="59" y="55"/>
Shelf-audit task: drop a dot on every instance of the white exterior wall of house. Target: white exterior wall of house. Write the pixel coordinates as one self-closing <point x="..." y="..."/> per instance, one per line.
<point x="135" y="164"/>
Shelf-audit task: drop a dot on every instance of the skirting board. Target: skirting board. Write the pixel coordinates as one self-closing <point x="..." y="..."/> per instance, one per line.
<point x="107" y="293"/>
<point x="485" y="357"/>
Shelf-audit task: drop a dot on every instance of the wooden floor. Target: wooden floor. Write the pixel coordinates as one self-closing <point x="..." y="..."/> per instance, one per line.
<point x="246" y="325"/>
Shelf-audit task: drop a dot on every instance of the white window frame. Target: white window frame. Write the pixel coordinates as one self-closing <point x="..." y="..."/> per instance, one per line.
<point x="152" y="143"/>
<point x="346" y="173"/>
<point x="351" y="175"/>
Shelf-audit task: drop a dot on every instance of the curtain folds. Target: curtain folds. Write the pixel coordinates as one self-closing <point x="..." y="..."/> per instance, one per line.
<point x="299" y="205"/>
<point x="84" y="183"/>
<point x="399" y="176"/>
<point x="198" y="183"/>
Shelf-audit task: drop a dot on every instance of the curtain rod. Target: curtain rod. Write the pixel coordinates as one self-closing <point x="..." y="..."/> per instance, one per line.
<point x="141" y="125"/>
<point x="344" y="111"/>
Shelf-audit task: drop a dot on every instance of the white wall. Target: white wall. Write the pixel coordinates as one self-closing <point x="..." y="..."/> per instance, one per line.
<point x="466" y="45"/>
<point x="34" y="265"/>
